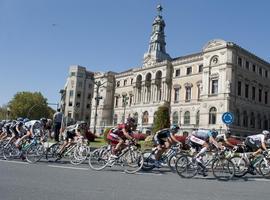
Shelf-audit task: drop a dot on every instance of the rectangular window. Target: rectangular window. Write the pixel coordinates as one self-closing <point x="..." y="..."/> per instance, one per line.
<point x="71" y="93"/>
<point x="70" y="103"/>
<point x="239" y="88"/>
<point x="125" y="82"/>
<point x="260" y="71"/>
<point x="79" y="95"/>
<point x="176" y="94"/>
<point x="260" y="95"/>
<point x="131" y="81"/>
<point x="116" y="101"/>
<point x="246" y="90"/>
<point x="200" y="68"/>
<point x="253" y="93"/>
<point x="247" y="65"/>
<point x="177" y="72"/>
<point x="199" y="92"/>
<point x="214" y="87"/>
<point x="254" y="68"/>
<point x="79" y="84"/>
<point x="88" y="106"/>
<point x="266" y="97"/>
<point x="189" y="70"/>
<point x="239" y="61"/>
<point x="89" y="96"/>
<point x="72" y="74"/>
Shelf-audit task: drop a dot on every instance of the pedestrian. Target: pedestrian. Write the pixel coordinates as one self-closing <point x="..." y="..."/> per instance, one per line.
<point x="57" y="121"/>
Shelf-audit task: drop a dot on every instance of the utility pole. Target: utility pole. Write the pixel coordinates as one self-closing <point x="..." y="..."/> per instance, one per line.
<point x="97" y="99"/>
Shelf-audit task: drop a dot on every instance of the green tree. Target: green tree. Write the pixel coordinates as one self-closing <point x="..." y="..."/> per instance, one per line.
<point x="162" y="118"/>
<point x="30" y="105"/>
<point x="3" y="112"/>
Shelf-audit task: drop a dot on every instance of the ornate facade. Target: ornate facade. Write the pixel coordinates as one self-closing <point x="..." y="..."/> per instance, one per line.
<point x="198" y="88"/>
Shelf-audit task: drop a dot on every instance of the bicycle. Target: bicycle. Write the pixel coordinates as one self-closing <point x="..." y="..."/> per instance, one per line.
<point x="77" y="152"/>
<point x="242" y="163"/>
<point x="187" y="166"/>
<point x="130" y="158"/>
<point x="167" y="158"/>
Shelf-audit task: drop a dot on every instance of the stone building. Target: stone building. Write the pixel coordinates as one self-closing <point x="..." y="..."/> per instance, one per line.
<point x="198" y="88"/>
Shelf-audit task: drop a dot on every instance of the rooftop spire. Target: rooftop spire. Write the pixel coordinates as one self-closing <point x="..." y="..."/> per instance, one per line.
<point x="156" y="51"/>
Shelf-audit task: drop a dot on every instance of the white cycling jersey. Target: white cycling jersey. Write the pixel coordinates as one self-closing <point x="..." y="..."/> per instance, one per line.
<point x="257" y="138"/>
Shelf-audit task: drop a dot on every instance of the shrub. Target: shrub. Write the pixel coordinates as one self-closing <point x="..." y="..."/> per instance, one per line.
<point x="106" y="131"/>
<point x="162" y="119"/>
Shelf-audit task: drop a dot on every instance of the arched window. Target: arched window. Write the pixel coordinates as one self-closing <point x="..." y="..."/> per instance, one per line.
<point x="115" y="119"/>
<point x="213" y="115"/>
<point x="136" y="117"/>
<point x="198" y="118"/>
<point x="187" y="117"/>
<point x="139" y="87"/>
<point x="252" y="120"/>
<point x="158" y="84"/>
<point x="145" y="117"/>
<point x="148" y="86"/>
<point x="245" y="119"/>
<point x="175" y="118"/>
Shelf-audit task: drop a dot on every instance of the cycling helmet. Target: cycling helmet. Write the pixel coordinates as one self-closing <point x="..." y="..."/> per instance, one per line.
<point x="131" y="120"/>
<point x="265" y="132"/>
<point x="43" y="120"/>
<point x="25" y="120"/>
<point x="228" y="133"/>
<point x="20" y="119"/>
<point x="175" y="128"/>
<point x="214" y="133"/>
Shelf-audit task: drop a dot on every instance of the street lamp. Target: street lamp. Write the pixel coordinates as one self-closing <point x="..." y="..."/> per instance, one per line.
<point x="125" y="98"/>
<point x="97" y="99"/>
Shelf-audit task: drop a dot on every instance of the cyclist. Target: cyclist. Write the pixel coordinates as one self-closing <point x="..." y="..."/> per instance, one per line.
<point x="164" y="139"/>
<point x="223" y="138"/>
<point x="203" y="138"/>
<point x="256" y="144"/>
<point x="6" y="129"/>
<point x="122" y="132"/>
<point x="35" y="128"/>
<point x="76" y="130"/>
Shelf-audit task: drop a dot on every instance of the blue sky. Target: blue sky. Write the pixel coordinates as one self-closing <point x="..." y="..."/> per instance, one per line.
<point x="40" y="39"/>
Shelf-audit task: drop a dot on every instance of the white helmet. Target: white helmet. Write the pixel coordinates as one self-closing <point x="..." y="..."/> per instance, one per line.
<point x="265" y="132"/>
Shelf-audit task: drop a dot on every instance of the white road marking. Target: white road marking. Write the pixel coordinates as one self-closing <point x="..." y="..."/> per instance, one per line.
<point x="12" y="161"/>
<point x="139" y="173"/>
<point x="77" y="168"/>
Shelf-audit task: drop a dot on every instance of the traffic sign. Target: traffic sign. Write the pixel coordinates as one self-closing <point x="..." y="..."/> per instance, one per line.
<point x="227" y="118"/>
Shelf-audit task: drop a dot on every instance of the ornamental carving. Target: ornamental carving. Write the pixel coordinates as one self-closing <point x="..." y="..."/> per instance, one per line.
<point x="187" y="85"/>
<point x="214" y="76"/>
<point x="175" y="86"/>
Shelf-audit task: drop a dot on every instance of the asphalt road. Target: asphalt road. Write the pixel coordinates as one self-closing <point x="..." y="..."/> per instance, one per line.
<point x="50" y="181"/>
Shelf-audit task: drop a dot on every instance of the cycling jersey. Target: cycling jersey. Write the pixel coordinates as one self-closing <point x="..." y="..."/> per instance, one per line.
<point x="202" y="134"/>
<point x="34" y="126"/>
<point x="257" y="138"/>
<point x="221" y="138"/>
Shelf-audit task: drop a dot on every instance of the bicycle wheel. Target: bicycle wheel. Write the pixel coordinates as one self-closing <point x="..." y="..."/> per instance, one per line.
<point x="51" y="152"/>
<point x="185" y="167"/>
<point x="2" y="145"/>
<point x="172" y="161"/>
<point x="264" y="167"/>
<point x="80" y="154"/>
<point x="148" y="161"/>
<point x="223" y="169"/>
<point x="34" y="153"/>
<point x="132" y="161"/>
<point x="98" y="159"/>
<point x="240" y="165"/>
<point x="11" y="151"/>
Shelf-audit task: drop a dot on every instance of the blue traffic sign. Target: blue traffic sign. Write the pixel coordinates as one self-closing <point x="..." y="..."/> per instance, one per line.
<point x="227" y="118"/>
